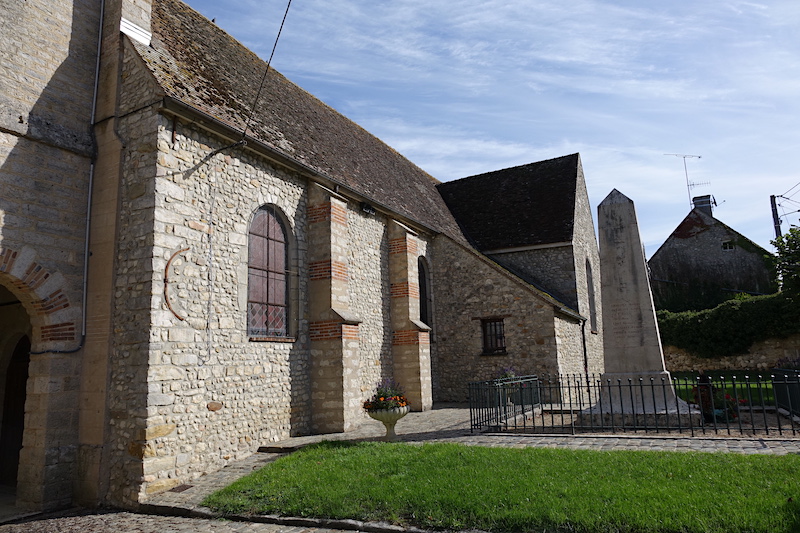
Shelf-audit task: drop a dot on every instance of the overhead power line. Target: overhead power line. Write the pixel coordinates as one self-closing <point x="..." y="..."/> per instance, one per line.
<point x="266" y="71"/>
<point x="790" y="190"/>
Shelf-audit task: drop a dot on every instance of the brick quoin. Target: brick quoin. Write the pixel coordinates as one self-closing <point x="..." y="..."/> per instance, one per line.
<point x="409" y="337"/>
<point x="403" y="245"/>
<point x="7" y="258"/>
<point x="349" y="332"/>
<point x="35" y="276"/>
<point x="52" y="303"/>
<point x="59" y="332"/>
<point x="332" y="329"/>
<point x="328" y="270"/>
<point x="327" y="212"/>
<point x="404" y="289"/>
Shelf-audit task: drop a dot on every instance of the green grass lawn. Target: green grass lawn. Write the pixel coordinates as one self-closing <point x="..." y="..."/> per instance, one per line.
<point x="755" y="389"/>
<point x="451" y="486"/>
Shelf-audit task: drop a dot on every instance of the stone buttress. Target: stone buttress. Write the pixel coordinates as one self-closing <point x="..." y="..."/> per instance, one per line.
<point x="411" y="350"/>
<point x="333" y="330"/>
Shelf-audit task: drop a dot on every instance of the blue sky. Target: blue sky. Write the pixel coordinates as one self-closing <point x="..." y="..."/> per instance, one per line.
<point x="469" y="86"/>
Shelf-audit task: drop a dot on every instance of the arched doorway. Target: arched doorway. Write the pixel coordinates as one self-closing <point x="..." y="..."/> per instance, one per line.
<point x="13" y="421"/>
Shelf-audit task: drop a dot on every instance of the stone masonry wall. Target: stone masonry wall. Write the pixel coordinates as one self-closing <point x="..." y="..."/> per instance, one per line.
<point x="553" y="268"/>
<point x="468" y="287"/>
<point x="762" y="356"/>
<point x="691" y="270"/>
<point x="585" y="250"/>
<point x="199" y="393"/>
<point x="46" y="82"/>
<point x="369" y="295"/>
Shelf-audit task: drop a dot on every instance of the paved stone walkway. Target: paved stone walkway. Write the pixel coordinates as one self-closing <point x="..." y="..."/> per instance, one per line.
<point x="179" y="510"/>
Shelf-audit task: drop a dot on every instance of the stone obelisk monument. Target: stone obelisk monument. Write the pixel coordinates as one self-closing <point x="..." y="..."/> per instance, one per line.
<point x="632" y="346"/>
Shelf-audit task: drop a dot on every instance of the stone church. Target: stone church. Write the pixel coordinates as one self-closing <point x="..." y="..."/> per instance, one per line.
<point x="182" y="282"/>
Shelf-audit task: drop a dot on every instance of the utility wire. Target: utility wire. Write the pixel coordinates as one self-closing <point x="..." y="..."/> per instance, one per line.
<point x="790" y="190"/>
<point x="266" y="71"/>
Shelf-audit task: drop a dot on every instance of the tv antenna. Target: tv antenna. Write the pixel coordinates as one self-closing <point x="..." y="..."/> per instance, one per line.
<point x="690" y="184"/>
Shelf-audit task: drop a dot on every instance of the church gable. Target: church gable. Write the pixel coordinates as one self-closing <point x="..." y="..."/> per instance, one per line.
<point x="524" y="206"/>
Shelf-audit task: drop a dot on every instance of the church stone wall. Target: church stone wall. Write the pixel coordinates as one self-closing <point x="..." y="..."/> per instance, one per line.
<point x="47" y="72"/>
<point x="190" y="391"/>
<point x="186" y="403"/>
<point x="585" y="250"/>
<point x="553" y="268"/>
<point x="569" y="337"/>
<point x="468" y="287"/>
<point x="368" y="269"/>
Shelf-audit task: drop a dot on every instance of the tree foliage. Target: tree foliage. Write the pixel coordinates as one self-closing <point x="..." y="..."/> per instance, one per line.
<point x="788" y="259"/>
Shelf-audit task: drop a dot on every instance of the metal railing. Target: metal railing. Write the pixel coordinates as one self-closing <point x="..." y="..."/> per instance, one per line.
<point x="750" y="404"/>
<point x="502" y="403"/>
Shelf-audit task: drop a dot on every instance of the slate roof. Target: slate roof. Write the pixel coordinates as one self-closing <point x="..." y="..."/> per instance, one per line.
<point x="527" y="205"/>
<point x="200" y="65"/>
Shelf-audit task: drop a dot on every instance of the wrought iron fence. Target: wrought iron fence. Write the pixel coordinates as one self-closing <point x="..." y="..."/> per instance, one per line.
<point x="750" y="404"/>
<point x="495" y="404"/>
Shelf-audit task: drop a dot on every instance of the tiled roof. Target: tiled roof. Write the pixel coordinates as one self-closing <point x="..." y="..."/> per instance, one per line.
<point x="200" y="65"/>
<point x="528" y="205"/>
<point x="698" y="221"/>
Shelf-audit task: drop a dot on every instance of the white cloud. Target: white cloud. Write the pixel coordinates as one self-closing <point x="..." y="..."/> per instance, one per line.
<point x="467" y="87"/>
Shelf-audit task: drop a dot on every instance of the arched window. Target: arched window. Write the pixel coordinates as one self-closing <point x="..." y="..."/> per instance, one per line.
<point x="425" y="307"/>
<point x="267" y="280"/>
<point x="591" y="296"/>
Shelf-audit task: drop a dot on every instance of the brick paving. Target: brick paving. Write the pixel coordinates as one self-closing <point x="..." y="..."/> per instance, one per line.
<point x="180" y="510"/>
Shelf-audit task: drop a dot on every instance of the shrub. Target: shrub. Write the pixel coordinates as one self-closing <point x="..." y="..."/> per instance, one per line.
<point x="731" y="327"/>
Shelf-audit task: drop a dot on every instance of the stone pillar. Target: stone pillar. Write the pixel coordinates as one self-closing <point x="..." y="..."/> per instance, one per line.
<point x="631" y="341"/>
<point x="411" y="349"/>
<point x="333" y="330"/>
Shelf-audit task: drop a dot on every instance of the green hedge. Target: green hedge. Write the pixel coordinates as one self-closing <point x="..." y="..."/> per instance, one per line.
<point x="731" y="327"/>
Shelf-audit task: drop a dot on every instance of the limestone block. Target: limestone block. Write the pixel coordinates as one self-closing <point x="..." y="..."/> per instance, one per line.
<point x="161" y="430"/>
<point x="161" y="485"/>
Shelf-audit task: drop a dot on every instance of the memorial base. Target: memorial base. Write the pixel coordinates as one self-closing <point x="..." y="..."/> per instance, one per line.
<point x="642" y="399"/>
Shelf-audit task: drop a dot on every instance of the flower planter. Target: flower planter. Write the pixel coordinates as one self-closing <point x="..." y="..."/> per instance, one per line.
<point x="389" y="418"/>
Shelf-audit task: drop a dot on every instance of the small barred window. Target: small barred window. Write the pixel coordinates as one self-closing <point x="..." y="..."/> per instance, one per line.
<point x="494" y="337"/>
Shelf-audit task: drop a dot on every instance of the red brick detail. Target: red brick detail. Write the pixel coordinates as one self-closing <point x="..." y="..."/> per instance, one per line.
<point x="410" y="337"/>
<point x="319" y="270"/>
<point x="328" y="270"/>
<point x="51" y="303"/>
<point x="339" y="214"/>
<point x="35" y="276"/>
<point x="7" y="258"/>
<point x="59" y="332"/>
<point x="319" y="213"/>
<point x="405" y="289"/>
<point x="332" y="330"/>
<point x="403" y="245"/>
<point x="424" y="338"/>
<point x="350" y="331"/>
<point x="327" y="212"/>
<point x="339" y="271"/>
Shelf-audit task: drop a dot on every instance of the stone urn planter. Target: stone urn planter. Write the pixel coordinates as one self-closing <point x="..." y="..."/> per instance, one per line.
<point x="389" y="418"/>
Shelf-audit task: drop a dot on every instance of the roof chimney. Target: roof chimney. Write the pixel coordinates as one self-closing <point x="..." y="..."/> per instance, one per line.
<point x="704" y="203"/>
